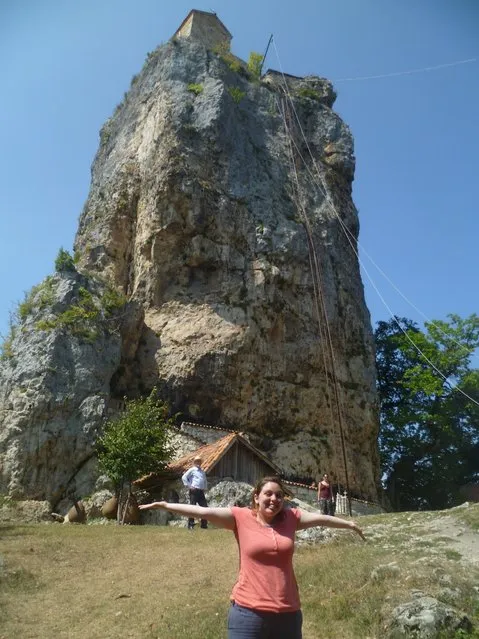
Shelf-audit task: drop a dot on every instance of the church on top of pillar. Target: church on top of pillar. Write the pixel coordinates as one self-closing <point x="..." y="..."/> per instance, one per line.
<point x="205" y="27"/>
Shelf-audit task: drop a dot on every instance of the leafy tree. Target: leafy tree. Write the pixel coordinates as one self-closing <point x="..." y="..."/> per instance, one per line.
<point x="429" y="435"/>
<point x="134" y="444"/>
<point x="64" y="262"/>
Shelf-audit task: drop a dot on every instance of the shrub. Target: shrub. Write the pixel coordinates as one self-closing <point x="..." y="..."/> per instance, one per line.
<point x="79" y="319"/>
<point x="236" y="93"/>
<point x="255" y="62"/>
<point x="39" y="297"/>
<point x="45" y="325"/>
<point x="235" y="65"/>
<point x="112" y="300"/>
<point x="64" y="262"/>
<point x="195" y="88"/>
<point x="86" y="317"/>
<point x="307" y="92"/>
<point x="6" y="349"/>
<point x="27" y="306"/>
<point x="222" y="49"/>
<point x="105" y="132"/>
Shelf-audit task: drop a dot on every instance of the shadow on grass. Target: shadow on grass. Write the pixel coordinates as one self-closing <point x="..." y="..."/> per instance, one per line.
<point x="18" y="580"/>
<point x="13" y="530"/>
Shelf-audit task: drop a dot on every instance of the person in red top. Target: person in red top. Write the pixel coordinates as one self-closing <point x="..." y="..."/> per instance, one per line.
<point x="265" y="599"/>
<point x="325" y="496"/>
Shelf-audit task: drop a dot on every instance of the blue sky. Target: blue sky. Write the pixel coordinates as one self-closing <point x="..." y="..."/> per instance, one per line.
<point x="65" y="65"/>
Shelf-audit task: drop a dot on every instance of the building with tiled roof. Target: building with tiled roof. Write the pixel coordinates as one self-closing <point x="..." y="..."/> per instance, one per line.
<point x="228" y="455"/>
<point x="204" y="433"/>
<point x="231" y="457"/>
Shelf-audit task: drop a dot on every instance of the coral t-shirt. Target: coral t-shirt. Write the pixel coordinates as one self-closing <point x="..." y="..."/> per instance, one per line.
<point x="266" y="578"/>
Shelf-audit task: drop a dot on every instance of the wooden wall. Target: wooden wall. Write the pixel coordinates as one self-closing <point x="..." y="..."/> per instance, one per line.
<point x="242" y="465"/>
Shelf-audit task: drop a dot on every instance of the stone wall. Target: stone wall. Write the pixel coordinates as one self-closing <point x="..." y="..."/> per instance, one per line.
<point x="205" y="28"/>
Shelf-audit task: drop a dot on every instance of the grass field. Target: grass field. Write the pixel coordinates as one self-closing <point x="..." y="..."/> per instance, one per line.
<point x="144" y="581"/>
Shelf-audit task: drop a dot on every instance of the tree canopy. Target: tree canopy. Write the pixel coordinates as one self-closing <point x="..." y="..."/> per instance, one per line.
<point x="429" y="394"/>
<point x="136" y="442"/>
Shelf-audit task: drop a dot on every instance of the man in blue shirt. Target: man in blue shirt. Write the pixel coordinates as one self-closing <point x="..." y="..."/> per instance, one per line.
<point x="195" y="480"/>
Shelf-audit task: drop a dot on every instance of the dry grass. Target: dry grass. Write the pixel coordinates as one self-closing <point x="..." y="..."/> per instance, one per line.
<point x="149" y="582"/>
<point x="108" y="581"/>
<point x="469" y="516"/>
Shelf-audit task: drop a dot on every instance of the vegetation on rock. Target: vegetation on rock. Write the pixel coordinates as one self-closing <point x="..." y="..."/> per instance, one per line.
<point x="64" y="262"/>
<point x="222" y="49"/>
<point x="236" y="93"/>
<point x="307" y="92"/>
<point x="83" y="318"/>
<point x="38" y="297"/>
<point x="195" y="88"/>
<point x="86" y="317"/>
<point x="6" y="347"/>
<point x="255" y="62"/>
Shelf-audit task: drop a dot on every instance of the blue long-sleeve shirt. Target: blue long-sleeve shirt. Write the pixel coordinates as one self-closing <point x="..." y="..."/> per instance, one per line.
<point x="195" y="478"/>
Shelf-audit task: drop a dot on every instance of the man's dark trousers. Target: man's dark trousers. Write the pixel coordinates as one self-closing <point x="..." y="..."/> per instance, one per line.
<point x="197" y="496"/>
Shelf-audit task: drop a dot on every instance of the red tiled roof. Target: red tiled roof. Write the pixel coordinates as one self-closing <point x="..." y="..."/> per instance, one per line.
<point x="208" y="427"/>
<point x="210" y="455"/>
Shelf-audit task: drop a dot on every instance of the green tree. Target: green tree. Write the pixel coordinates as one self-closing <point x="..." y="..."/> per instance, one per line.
<point x="429" y="394"/>
<point x="64" y="262"/>
<point x="134" y="444"/>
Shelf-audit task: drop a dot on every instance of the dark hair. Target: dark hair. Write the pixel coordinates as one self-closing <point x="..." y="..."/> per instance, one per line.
<point x="262" y="482"/>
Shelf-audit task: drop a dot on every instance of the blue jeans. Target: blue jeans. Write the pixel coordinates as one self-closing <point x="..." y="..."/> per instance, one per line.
<point x="244" y="623"/>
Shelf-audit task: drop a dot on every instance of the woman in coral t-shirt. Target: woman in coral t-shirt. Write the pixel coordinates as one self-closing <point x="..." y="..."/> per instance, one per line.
<point x="265" y="598"/>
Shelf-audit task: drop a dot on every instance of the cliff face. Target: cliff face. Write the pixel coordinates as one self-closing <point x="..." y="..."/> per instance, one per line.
<point x="197" y="212"/>
<point x="55" y="387"/>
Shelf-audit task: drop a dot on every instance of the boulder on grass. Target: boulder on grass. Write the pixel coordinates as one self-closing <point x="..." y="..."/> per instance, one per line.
<point x="426" y="617"/>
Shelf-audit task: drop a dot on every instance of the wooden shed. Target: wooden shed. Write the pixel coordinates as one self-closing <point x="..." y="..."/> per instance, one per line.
<point x="231" y="457"/>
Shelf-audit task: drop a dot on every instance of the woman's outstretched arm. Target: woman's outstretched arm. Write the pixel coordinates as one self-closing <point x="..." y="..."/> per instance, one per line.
<point x="220" y="517"/>
<point x="309" y="520"/>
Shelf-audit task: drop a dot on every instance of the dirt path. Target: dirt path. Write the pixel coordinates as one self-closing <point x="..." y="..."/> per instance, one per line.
<point x="463" y="539"/>
<point x="435" y="533"/>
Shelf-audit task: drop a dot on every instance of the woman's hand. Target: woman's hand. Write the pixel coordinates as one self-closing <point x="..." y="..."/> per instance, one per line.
<point x="353" y="525"/>
<point x="154" y="505"/>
